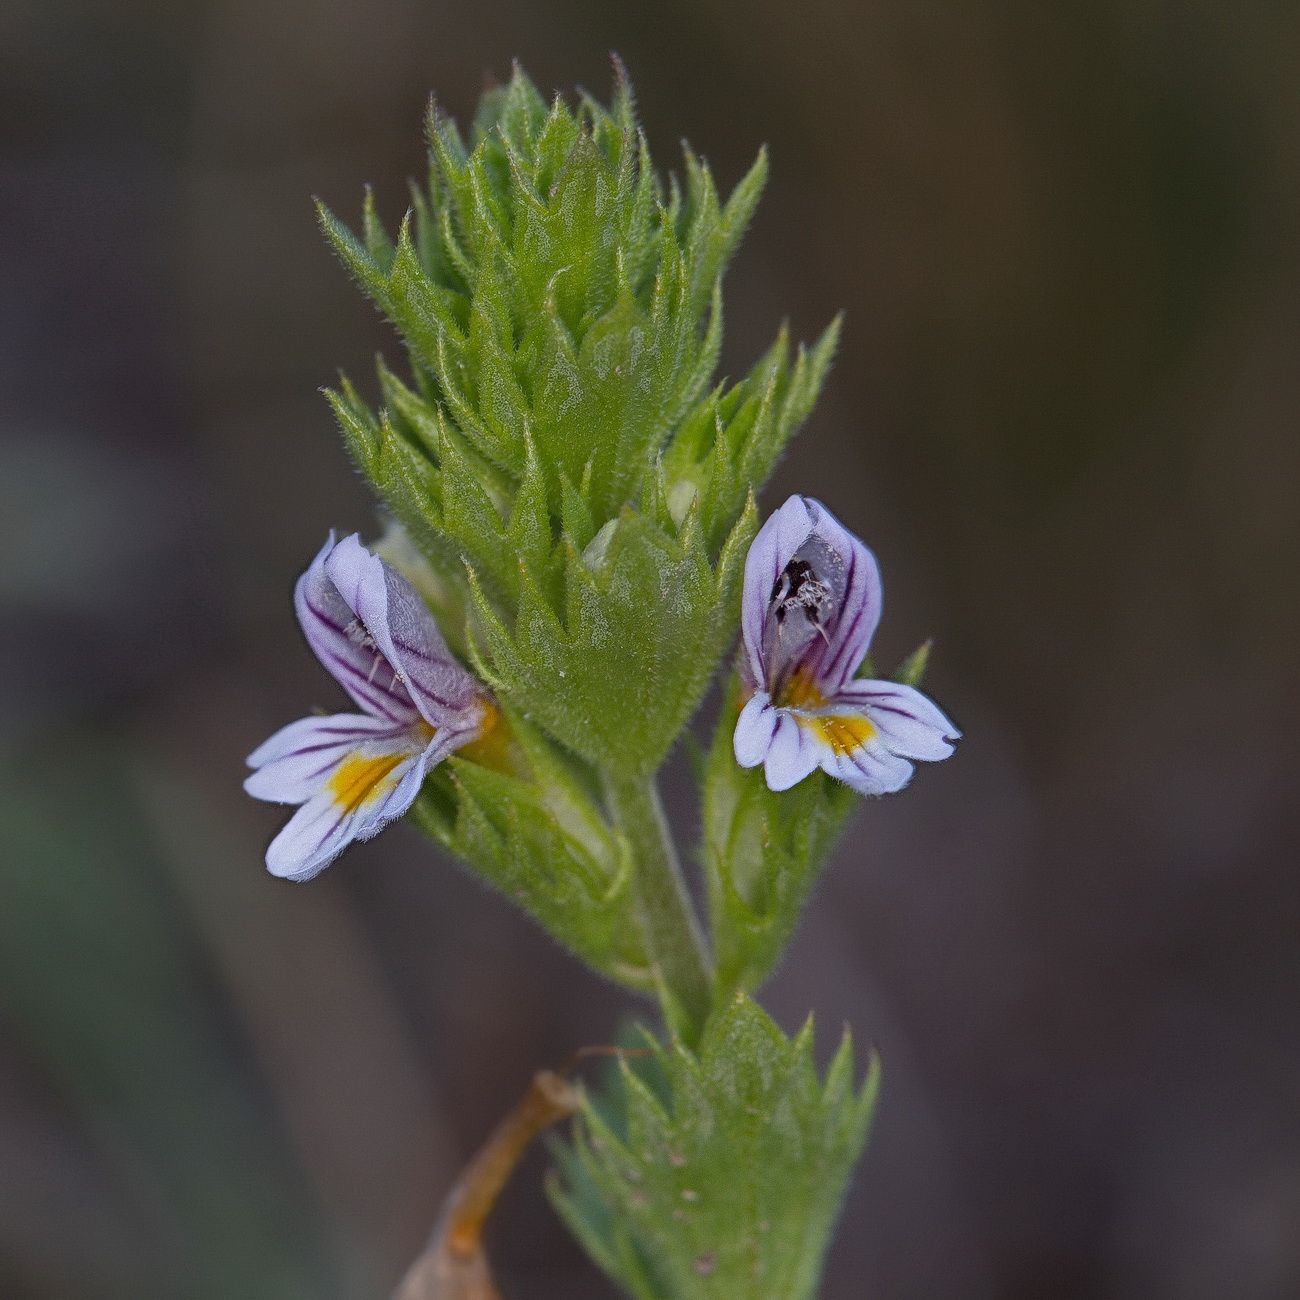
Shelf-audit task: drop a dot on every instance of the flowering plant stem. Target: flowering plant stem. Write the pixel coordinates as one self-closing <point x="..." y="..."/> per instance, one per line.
<point x="670" y="928"/>
<point x="573" y="500"/>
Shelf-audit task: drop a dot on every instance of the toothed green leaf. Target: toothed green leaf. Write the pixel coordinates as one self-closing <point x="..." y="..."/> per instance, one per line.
<point x="717" y="1176"/>
<point x="912" y="669"/>
<point x="733" y="438"/>
<point x="378" y="245"/>
<point x="646" y="616"/>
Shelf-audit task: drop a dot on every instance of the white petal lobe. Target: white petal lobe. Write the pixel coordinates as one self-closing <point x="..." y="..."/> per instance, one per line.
<point x="792" y="755"/>
<point x="754" y="728"/>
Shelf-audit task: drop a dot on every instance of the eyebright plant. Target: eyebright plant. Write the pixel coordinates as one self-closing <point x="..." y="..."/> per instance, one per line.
<point x="572" y="545"/>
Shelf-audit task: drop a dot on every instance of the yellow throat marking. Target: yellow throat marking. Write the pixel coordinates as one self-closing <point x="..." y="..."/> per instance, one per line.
<point x="360" y="778"/>
<point x="491" y="745"/>
<point x="843" y="732"/>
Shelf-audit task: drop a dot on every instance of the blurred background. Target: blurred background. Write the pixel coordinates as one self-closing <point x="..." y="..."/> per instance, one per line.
<point x="1067" y="235"/>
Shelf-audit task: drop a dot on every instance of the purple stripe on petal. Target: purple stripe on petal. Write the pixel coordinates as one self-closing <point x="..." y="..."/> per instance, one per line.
<point x="869" y="769"/>
<point x="299" y="759"/>
<point x="317" y="731"/>
<point x="436" y="681"/>
<point x="311" y="839"/>
<point x="855" y="621"/>
<point x="341" y="643"/>
<point x="793" y="754"/>
<point x="323" y="827"/>
<point x="821" y="654"/>
<point x="772" y="549"/>
<point x="847" y="638"/>
<point x="405" y="631"/>
<point x="346" y="650"/>
<point x="449" y="739"/>
<point x="908" y="723"/>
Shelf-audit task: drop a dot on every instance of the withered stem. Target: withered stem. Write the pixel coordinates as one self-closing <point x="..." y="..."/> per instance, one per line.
<point x="455" y="1265"/>
<point x="548" y="1099"/>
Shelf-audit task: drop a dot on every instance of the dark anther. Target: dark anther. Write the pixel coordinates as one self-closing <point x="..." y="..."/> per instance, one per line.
<point x="799" y="587"/>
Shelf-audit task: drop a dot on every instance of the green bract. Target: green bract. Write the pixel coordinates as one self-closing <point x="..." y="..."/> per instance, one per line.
<point x="762" y="854"/>
<point x="540" y="836"/>
<point x="723" y="1182"/>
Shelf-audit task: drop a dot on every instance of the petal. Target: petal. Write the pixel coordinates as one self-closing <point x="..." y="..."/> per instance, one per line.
<point x="907" y="722"/>
<point x="343" y="811"/>
<point x="845" y="744"/>
<point x="340" y="642"/>
<point x="859" y="598"/>
<point x="793" y="754"/>
<point x="450" y="738"/>
<point x="405" y="631"/>
<point x="299" y="759"/>
<point x="870" y="768"/>
<point x="772" y="549"/>
<point x="754" y="729"/>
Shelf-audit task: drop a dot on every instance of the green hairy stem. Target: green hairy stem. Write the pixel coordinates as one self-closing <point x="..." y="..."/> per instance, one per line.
<point x="673" y="936"/>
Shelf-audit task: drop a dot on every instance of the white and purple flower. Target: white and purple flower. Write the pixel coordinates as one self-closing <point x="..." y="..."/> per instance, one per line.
<point x="811" y="603"/>
<point x="353" y="773"/>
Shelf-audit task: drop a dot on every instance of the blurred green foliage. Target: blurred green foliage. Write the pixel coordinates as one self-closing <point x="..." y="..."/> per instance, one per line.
<point x="119" y="1008"/>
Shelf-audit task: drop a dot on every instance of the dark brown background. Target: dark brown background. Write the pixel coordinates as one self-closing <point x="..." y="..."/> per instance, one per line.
<point x="1065" y="232"/>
